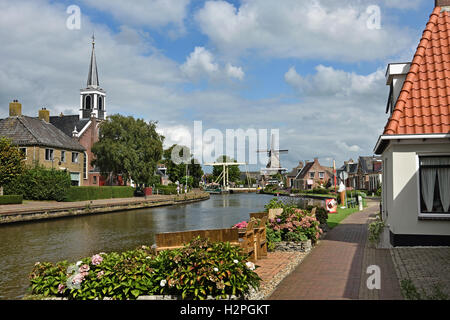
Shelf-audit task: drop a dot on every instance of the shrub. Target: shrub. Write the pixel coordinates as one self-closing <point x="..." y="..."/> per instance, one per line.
<point x="321" y="214"/>
<point x="170" y="189"/>
<point x="294" y="220"/>
<point x="38" y="183"/>
<point x="375" y="230"/>
<point x="199" y="269"/>
<point x="11" y="199"/>
<point x="95" y="193"/>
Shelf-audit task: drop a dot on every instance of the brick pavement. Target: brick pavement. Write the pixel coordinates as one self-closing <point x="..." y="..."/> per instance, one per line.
<point x="426" y="267"/>
<point x="335" y="269"/>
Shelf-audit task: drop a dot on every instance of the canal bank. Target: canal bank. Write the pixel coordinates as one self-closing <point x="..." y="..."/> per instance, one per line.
<point x="38" y="210"/>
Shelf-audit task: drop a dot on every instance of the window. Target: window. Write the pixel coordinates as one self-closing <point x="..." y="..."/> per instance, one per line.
<point x="311" y="175"/>
<point x="88" y="102"/>
<point x="100" y="103"/>
<point x="434" y="178"/>
<point x="85" y="166"/>
<point x="75" y="157"/>
<point x="24" y="153"/>
<point x="321" y="175"/>
<point x="49" y="154"/>
<point x="95" y="179"/>
<point x="63" y="156"/>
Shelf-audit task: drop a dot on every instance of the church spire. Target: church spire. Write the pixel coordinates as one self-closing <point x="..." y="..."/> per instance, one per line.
<point x="93" y="74"/>
<point x="92" y="98"/>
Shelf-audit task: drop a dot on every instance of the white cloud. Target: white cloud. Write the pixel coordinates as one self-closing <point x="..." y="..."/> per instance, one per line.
<point x="299" y="29"/>
<point x="234" y="72"/>
<point x="146" y="13"/>
<point x="201" y="63"/>
<point x="331" y="82"/>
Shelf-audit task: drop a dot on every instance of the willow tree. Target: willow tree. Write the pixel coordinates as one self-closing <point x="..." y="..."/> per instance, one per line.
<point x="11" y="162"/>
<point x="128" y="147"/>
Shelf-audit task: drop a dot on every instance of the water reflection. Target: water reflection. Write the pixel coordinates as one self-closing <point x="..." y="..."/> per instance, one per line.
<point x="21" y="245"/>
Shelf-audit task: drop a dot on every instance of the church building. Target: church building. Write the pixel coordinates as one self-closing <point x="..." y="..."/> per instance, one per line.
<point x="84" y="126"/>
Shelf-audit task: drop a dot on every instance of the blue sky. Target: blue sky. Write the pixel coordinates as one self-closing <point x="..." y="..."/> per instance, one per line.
<point x="311" y="69"/>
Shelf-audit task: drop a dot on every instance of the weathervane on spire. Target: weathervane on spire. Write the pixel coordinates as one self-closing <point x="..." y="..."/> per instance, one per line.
<point x="93" y="39"/>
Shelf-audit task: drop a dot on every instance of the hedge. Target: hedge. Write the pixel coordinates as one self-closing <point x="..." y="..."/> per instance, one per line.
<point x="95" y="193"/>
<point x="11" y="199"/>
<point x="39" y="183"/>
<point x="167" y="190"/>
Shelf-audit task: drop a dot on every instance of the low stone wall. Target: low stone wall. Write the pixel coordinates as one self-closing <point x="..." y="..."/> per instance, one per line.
<point x="289" y="246"/>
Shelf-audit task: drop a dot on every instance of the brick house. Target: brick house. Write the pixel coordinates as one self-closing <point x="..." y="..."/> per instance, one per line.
<point x="312" y="175"/>
<point x="42" y="143"/>
<point x="368" y="173"/>
<point x="415" y="144"/>
<point x="290" y="177"/>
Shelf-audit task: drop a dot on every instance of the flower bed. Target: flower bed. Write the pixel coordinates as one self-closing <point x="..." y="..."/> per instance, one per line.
<point x="196" y="271"/>
<point x="293" y="226"/>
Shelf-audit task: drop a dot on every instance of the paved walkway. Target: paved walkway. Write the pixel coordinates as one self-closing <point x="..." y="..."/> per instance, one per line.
<point x="336" y="267"/>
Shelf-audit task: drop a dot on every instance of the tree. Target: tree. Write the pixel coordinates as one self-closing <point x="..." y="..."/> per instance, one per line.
<point x="11" y="162"/>
<point x="234" y="172"/>
<point x="177" y="171"/>
<point x="128" y="147"/>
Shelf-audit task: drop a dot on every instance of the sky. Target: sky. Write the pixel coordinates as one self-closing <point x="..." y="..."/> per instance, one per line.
<point x="312" y="70"/>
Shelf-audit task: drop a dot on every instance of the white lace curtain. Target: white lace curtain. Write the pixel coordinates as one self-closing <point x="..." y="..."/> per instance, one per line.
<point x="429" y="176"/>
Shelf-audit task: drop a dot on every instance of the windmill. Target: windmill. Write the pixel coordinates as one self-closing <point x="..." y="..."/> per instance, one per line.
<point x="273" y="166"/>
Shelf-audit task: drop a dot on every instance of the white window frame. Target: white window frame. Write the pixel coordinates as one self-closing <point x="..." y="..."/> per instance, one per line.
<point x="313" y="174"/>
<point x="63" y="158"/>
<point x="52" y="154"/>
<point x="420" y="214"/>
<point x="321" y="175"/>
<point x="76" y="158"/>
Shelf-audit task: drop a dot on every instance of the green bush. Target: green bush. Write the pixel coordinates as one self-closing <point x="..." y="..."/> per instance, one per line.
<point x="95" y="193"/>
<point x="294" y="220"/>
<point x="321" y="214"/>
<point x="199" y="269"/>
<point x="171" y="189"/>
<point x="39" y="183"/>
<point x="11" y="199"/>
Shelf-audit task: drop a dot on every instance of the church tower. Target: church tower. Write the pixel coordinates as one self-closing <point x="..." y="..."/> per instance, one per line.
<point x="92" y="98"/>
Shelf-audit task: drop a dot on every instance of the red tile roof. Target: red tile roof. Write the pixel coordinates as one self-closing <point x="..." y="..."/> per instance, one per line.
<point x="423" y="106"/>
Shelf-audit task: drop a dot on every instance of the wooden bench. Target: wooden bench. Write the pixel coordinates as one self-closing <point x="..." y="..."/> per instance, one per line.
<point x="174" y="240"/>
<point x="260" y="232"/>
<point x="244" y="238"/>
<point x="248" y="240"/>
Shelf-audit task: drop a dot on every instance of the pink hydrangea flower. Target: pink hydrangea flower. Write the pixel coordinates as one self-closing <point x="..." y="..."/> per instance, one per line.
<point x="61" y="288"/>
<point x="78" y="278"/>
<point x="96" y="259"/>
<point x="84" y="268"/>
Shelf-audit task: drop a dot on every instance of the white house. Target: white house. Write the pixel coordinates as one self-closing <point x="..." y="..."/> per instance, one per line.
<point x="415" y="145"/>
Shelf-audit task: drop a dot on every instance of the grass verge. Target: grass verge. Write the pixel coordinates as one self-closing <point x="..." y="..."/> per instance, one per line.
<point x="335" y="219"/>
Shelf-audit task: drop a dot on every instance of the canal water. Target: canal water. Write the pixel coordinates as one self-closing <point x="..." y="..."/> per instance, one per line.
<point x="21" y="245"/>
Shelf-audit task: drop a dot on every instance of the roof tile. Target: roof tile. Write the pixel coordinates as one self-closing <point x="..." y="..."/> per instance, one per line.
<point x="423" y="105"/>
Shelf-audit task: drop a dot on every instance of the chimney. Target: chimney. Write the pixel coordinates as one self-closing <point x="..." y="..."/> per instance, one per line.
<point x="44" y="114"/>
<point x="442" y="3"/>
<point x="15" y="109"/>
<point x="316" y="160"/>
